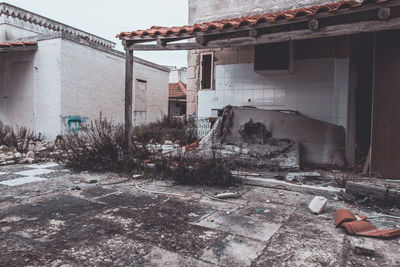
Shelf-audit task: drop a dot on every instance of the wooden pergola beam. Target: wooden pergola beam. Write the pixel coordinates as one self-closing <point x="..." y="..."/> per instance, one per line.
<point x="328" y="31"/>
<point x="18" y="49"/>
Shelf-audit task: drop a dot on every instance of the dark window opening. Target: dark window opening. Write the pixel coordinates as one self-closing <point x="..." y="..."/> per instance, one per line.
<point x="271" y="57"/>
<point x="206" y="71"/>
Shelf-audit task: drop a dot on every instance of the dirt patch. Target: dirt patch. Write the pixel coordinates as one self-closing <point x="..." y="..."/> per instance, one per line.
<point x="165" y="222"/>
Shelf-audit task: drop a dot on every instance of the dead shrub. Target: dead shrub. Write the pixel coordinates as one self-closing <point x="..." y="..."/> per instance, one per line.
<point x="18" y="138"/>
<point x="168" y="128"/>
<point x="99" y="146"/>
<point x="187" y="171"/>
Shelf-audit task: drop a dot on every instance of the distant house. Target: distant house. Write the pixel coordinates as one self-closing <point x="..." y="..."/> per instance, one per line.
<point x="177" y="99"/>
<point x="177" y="91"/>
<point x="53" y="77"/>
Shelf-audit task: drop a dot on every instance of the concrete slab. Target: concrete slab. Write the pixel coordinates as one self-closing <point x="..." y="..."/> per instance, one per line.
<point x="21" y="181"/>
<point x="162" y="257"/>
<point x="273" y="183"/>
<point x="246" y="226"/>
<point x="44" y="165"/>
<point x="234" y="251"/>
<point x="34" y="172"/>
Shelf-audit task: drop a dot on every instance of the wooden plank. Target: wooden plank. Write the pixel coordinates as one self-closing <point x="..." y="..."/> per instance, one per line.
<point x="329" y="31"/>
<point x="128" y="99"/>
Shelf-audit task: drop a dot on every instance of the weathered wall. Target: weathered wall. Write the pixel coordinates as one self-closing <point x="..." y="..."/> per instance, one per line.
<point x="318" y="88"/>
<point x="47" y="71"/>
<point x="17" y="90"/>
<point x="93" y="81"/>
<point x="157" y="90"/>
<point x="177" y="75"/>
<point x="209" y="10"/>
<point x="12" y="32"/>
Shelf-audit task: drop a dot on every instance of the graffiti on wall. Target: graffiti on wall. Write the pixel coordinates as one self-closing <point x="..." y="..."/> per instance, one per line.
<point x="74" y="123"/>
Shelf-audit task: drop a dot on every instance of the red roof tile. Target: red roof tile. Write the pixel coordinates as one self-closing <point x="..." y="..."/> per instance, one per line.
<point x="348" y="221"/>
<point x="236" y="23"/>
<point x="18" y="44"/>
<point x="177" y="90"/>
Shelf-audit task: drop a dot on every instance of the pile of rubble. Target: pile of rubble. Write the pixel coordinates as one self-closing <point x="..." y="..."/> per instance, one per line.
<point x="28" y="152"/>
<point x="273" y="140"/>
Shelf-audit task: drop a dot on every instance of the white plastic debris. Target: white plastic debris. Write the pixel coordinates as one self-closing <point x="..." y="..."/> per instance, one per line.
<point x="226" y="195"/>
<point x="318" y="204"/>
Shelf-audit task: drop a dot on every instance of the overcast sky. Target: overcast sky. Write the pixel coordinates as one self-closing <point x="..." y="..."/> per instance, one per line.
<point x="106" y="18"/>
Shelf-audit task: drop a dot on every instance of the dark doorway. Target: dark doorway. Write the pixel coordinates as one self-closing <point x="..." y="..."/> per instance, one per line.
<point x="363" y="66"/>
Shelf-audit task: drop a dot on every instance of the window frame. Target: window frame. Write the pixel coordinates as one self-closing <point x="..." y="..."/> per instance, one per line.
<point x="290" y="69"/>
<point x="212" y="67"/>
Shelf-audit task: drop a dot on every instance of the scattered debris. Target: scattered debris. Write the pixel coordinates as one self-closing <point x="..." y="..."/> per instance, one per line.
<point x="244" y="174"/>
<point x="385" y="195"/>
<point x="300" y="176"/>
<point x="160" y="193"/>
<point x="227" y="195"/>
<point x="361" y="246"/>
<point x="258" y="211"/>
<point x="318" y="204"/>
<point x="348" y="221"/>
<point x="218" y="199"/>
<point x="87" y="178"/>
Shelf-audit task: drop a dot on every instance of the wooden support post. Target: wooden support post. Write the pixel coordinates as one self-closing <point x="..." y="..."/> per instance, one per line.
<point x="128" y="98"/>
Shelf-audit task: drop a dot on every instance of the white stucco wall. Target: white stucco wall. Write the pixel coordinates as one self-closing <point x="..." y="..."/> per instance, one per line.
<point x="177" y="75"/>
<point x="12" y="32"/>
<point x="93" y="81"/>
<point x="209" y="10"/>
<point x="47" y="99"/>
<point x="157" y="90"/>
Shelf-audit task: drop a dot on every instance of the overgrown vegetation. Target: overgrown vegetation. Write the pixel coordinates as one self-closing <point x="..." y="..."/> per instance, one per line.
<point x="99" y="146"/>
<point x="18" y="138"/>
<point x="168" y="128"/>
<point x="187" y="171"/>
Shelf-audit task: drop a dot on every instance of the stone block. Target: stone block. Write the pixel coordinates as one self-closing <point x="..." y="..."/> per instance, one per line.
<point x="361" y="246"/>
<point x="318" y="204"/>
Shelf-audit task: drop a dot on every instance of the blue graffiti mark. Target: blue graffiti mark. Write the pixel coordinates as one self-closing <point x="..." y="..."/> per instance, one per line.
<point x="75" y="122"/>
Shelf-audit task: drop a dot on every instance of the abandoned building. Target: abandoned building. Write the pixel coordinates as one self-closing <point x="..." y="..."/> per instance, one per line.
<point x="54" y="77"/>
<point x="333" y="62"/>
<point x="177" y="91"/>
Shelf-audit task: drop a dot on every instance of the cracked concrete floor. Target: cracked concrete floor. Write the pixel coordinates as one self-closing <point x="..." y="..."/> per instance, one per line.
<point x="58" y="221"/>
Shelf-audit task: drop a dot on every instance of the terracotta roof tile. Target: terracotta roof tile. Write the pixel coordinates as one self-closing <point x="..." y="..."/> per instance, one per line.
<point x="249" y="20"/>
<point x="18" y="44"/>
<point x="349" y="222"/>
<point x="177" y="90"/>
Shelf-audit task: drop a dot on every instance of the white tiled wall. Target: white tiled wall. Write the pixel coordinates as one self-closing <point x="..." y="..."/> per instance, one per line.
<point x="318" y="89"/>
